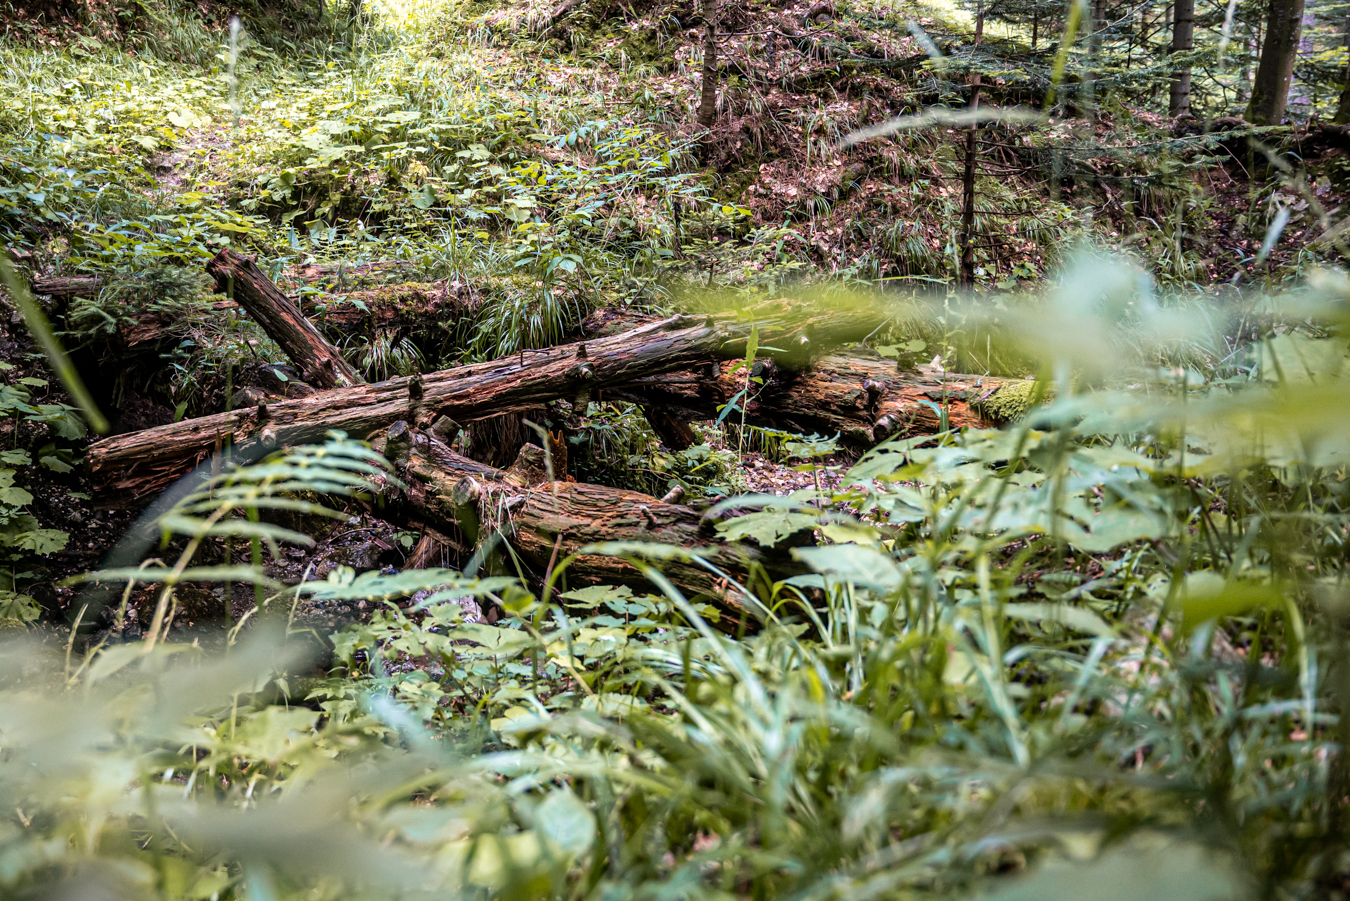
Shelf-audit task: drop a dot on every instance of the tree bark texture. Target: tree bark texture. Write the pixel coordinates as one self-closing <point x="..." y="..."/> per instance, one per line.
<point x="1342" y="116"/>
<point x="1275" y="71"/>
<point x="968" y="176"/>
<point x="130" y="466"/>
<point x="545" y="522"/>
<point x="318" y="361"/>
<point x="424" y="310"/>
<point x="66" y="287"/>
<point x="707" y="102"/>
<point x="860" y="395"/>
<point x="1183" y="41"/>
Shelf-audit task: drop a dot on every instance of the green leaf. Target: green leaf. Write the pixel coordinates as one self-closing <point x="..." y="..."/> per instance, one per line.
<point x="239" y="528"/>
<point x="1077" y="618"/>
<point x="596" y="595"/>
<point x="494" y="640"/>
<point x="15" y="497"/>
<point x="191" y="574"/>
<point x="567" y="822"/>
<point x="731" y="406"/>
<point x="1204" y="596"/>
<point x="20" y="607"/>
<point x="42" y="541"/>
<point x="55" y="464"/>
<point x="425" y="198"/>
<point x="766" y="527"/>
<point x="863" y="566"/>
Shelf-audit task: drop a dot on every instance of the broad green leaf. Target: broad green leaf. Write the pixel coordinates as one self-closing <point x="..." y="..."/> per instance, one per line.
<point x="766" y="527"/>
<point x="864" y="567"/>
<point x="567" y="822"/>
<point x="1204" y="596"/>
<point x="495" y="640"/>
<point x="1078" y="618"/>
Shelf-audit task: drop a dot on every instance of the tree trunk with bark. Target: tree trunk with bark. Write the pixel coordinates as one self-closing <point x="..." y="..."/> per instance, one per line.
<point x="545" y="522"/>
<point x="859" y="395"/>
<point x="419" y="308"/>
<point x="1270" y="88"/>
<point x="968" y="176"/>
<point x="707" y="102"/>
<point x="66" y="287"/>
<point x="1342" y="116"/>
<point x="1183" y="41"/>
<point x="135" y="465"/>
<point x="319" y="362"/>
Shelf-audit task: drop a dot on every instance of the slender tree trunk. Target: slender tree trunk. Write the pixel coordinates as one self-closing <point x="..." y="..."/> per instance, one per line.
<point x="1270" y="88"/>
<point x="968" y="177"/>
<point x="1129" y="46"/>
<point x="1342" y="116"/>
<point x="707" y="103"/>
<point x="1035" y="27"/>
<point x="1097" y="34"/>
<point x="1183" y="41"/>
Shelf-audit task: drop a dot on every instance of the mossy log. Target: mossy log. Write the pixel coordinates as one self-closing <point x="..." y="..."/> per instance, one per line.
<point x="859" y="395"/>
<point x="417" y="307"/>
<point x="545" y="522"/>
<point x="319" y="363"/>
<point x="125" y="467"/>
<point x="410" y="305"/>
<point x="67" y="286"/>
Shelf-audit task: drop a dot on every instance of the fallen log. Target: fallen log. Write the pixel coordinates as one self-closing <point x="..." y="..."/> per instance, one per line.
<point x="125" y="467"/>
<point x="860" y="395"/>
<point x="414" y="306"/>
<point x="66" y="287"/>
<point x="545" y="522"/>
<point x="319" y="363"/>
<point x="424" y="310"/>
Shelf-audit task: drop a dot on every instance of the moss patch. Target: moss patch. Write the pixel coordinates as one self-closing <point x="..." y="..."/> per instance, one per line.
<point x="1010" y="402"/>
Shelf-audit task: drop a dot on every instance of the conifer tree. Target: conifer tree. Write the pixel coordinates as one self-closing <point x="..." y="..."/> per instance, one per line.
<point x="1270" y="88"/>
<point x="1183" y="41"/>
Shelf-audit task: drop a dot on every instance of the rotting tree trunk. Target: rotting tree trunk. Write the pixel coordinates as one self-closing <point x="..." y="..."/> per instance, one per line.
<point x="66" y="287"/>
<point x="417" y="307"/>
<point x="545" y="522"/>
<point x="125" y="467"/>
<point x="863" y="397"/>
<point x="319" y="362"/>
<point x="1183" y="41"/>
<point x="1275" y="71"/>
<point x="406" y="306"/>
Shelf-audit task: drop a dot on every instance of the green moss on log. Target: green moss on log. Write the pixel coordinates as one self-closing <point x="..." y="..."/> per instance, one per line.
<point x="1010" y="402"/>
